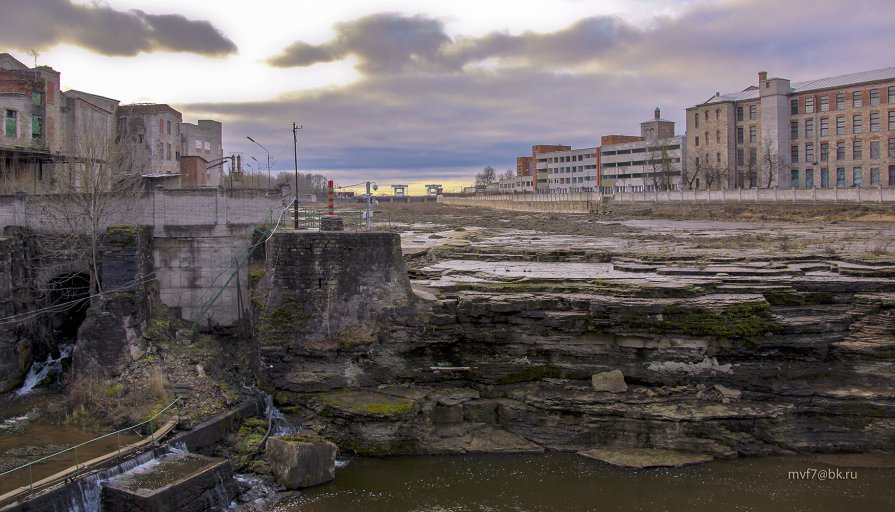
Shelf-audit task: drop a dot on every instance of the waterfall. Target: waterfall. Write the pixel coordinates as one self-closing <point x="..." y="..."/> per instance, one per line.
<point x="217" y="500"/>
<point x="280" y="426"/>
<point x="39" y="371"/>
<point x="87" y="493"/>
<point x="255" y="491"/>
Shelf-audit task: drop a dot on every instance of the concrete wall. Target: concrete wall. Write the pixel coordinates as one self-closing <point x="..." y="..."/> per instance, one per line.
<point x="764" y="195"/>
<point x="158" y="208"/>
<point x="582" y="202"/>
<point x="572" y="202"/>
<point x="196" y="270"/>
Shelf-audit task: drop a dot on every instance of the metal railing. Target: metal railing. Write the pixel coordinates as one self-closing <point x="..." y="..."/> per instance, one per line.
<point x="151" y="422"/>
<point x="353" y="219"/>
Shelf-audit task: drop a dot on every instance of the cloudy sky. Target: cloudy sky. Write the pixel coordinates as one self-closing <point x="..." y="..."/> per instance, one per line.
<point x="423" y="91"/>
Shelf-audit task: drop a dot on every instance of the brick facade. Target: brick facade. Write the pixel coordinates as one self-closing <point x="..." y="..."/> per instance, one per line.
<point x="825" y="133"/>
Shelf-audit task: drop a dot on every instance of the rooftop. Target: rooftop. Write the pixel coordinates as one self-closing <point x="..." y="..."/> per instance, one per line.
<point x="148" y="109"/>
<point x="874" y="75"/>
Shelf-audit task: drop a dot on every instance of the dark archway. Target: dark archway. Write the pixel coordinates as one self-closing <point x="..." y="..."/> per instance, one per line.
<point x="69" y="297"/>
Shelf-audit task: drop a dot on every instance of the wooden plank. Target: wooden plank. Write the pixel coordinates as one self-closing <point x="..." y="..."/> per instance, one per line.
<point x="44" y="483"/>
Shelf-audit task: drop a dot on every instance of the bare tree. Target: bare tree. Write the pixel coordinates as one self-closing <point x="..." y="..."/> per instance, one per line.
<point x="315" y="183"/>
<point x="695" y="169"/>
<point x="771" y="165"/>
<point x="662" y="168"/>
<point x="14" y="176"/>
<point x="752" y="164"/>
<point x="487" y="176"/>
<point x="508" y="174"/>
<point x="715" y="174"/>
<point x="92" y="187"/>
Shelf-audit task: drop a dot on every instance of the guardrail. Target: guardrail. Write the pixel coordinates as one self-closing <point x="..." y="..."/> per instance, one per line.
<point x="154" y="435"/>
<point x="309" y="218"/>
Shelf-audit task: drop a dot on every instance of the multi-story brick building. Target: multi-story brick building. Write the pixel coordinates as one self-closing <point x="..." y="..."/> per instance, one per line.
<point x="31" y="107"/>
<point x="153" y="132"/>
<point x="830" y="132"/>
<point x="203" y="140"/>
<point x="523" y="166"/>
<point x="652" y="161"/>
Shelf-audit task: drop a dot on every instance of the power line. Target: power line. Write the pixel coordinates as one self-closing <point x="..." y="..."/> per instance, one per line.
<point x="65" y="306"/>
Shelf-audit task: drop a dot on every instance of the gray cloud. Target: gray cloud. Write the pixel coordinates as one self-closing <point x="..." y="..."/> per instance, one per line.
<point x="392" y="42"/>
<point x="383" y="42"/>
<point x="98" y="27"/>
<point x="422" y="112"/>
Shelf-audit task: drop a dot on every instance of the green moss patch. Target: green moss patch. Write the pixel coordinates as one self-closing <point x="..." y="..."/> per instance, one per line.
<point x="740" y="321"/>
<point x="530" y="374"/>
<point x="304" y="438"/>
<point x="367" y="402"/>
<point x="786" y="298"/>
<point x="279" y="326"/>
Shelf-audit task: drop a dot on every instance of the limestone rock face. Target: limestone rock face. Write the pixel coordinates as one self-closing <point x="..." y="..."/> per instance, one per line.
<point x="302" y="461"/>
<point x="613" y="382"/>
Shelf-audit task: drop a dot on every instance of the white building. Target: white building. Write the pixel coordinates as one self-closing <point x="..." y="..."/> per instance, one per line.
<point x="574" y="170"/>
<point x="516" y="184"/>
<point x="655" y="161"/>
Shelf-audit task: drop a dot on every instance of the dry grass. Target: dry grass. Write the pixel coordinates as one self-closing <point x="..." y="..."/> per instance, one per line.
<point x="95" y="402"/>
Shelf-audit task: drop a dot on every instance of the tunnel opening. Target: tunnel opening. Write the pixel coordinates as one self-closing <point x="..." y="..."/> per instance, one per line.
<point x="68" y="297"/>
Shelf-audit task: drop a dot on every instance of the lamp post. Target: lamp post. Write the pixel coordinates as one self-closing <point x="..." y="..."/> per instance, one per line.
<point x="268" y="159"/>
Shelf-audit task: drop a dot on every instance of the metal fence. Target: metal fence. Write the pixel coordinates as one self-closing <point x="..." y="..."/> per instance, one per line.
<point x="80" y="465"/>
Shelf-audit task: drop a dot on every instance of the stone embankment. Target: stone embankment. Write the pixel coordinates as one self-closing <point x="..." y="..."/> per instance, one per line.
<point x="520" y="342"/>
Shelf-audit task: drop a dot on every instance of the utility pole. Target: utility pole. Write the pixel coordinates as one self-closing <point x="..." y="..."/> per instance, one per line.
<point x="295" y="129"/>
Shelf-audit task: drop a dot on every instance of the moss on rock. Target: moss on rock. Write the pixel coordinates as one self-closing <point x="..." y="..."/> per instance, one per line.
<point x="740" y="321"/>
<point x="367" y="402"/>
<point x="530" y="374"/>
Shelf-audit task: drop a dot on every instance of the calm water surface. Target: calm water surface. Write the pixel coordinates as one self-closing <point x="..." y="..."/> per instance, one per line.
<point x="568" y="483"/>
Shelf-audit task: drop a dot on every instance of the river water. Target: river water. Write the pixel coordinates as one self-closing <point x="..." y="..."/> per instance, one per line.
<point x="569" y="483"/>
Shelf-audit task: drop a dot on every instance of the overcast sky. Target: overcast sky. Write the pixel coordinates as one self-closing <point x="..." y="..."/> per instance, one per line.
<point x="420" y="91"/>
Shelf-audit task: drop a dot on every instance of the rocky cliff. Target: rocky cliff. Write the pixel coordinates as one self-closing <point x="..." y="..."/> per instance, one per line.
<point x="722" y="356"/>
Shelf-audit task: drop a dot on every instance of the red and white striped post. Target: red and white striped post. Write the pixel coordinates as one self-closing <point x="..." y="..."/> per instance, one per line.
<point x="331" y="197"/>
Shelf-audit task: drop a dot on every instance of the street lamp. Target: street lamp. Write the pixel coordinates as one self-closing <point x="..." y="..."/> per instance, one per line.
<point x="268" y="159"/>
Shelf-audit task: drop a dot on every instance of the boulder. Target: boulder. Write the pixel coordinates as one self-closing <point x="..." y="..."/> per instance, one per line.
<point x="302" y="460"/>
<point x="613" y="382"/>
<point x="728" y="393"/>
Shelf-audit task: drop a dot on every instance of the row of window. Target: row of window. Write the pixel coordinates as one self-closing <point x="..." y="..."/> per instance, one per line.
<point x="669" y="147"/>
<point x="11" y="124"/>
<point x="753" y="114"/>
<point x="857" y="125"/>
<point x="577" y="168"/>
<point x="823" y="103"/>
<point x="857" y="101"/>
<point x="568" y="158"/>
<point x="164" y="152"/>
<point x="573" y="179"/>
<point x="609" y="165"/>
<point x="741" y="135"/>
<point x="857" y="148"/>
<point x="805" y="177"/>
